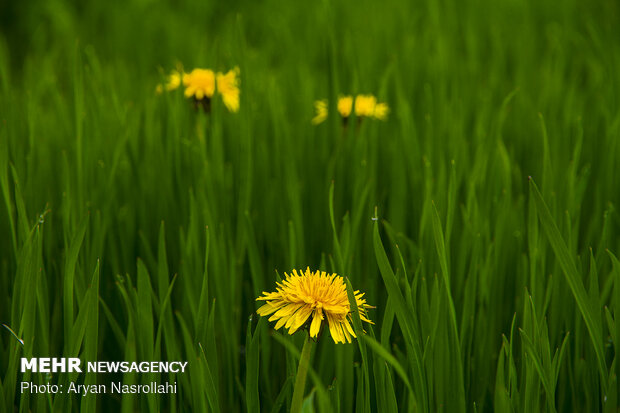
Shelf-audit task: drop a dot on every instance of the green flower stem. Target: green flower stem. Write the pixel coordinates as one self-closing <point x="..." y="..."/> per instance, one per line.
<point x="302" y="372"/>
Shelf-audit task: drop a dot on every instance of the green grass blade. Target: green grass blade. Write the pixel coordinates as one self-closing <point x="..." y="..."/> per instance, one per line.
<point x="252" y="362"/>
<point x="384" y="354"/>
<point x="68" y="281"/>
<point x="573" y="279"/>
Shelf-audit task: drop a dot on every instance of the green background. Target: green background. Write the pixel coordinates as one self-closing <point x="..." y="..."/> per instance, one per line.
<point x="133" y="227"/>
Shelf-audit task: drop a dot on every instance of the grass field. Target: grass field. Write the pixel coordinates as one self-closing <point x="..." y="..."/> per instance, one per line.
<point x="479" y="217"/>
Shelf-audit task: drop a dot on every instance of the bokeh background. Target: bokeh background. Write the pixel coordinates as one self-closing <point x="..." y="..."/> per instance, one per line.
<point x="134" y="227"/>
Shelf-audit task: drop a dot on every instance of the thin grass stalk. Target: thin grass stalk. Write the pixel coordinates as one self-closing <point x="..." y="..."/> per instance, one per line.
<point x="300" y="379"/>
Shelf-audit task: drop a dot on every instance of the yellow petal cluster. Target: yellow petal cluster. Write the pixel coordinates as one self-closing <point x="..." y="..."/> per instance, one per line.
<point x="321" y="111"/>
<point x="315" y="296"/>
<point x="173" y="81"/>
<point x="365" y="106"/>
<point x="199" y="83"/>
<point x="204" y="84"/>
<point x="345" y="106"/>
<point x="228" y="87"/>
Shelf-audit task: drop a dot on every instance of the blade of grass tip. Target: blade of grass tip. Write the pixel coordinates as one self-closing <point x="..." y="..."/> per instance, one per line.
<point x="611" y="325"/>
<point x="401" y="260"/>
<point x="145" y="311"/>
<point x="338" y="251"/>
<point x="443" y="260"/>
<point x="615" y="332"/>
<point x="308" y="404"/>
<point x="116" y="328"/>
<point x="200" y="384"/>
<point x="162" y="319"/>
<point x="70" y="263"/>
<point x="573" y="279"/>
<point x="403" y="315"/>
<point x="145" y="327"/>
<point x="557" y="359"/>
<point x="359" y="332"/>
<point x="24" y="296"/>
<point x="546" y="157"/>
<point x="606" y="232"/>
<point x="79" y="327"/>
<point x="390" y="394"/>
<point x="252" y="362"/>
<point x="256" y="271"/>
<point x="512" y="370"/>
<point x="6" y="191"/>
<point x="594" y="290"/>
<point x="441" y="248"/>
<point x="79" y="114"/>
<point x="384" y="354"/>
<point x="122" y="289"/>
<point x="162" y="261"/>
<point x="610" y="401"/>
<point x="91" y="338"/>
<point x="468" y="311"/>
<point x="531" y="351"/>
<point x="42" y="297"/>
<point x="391" y="285"/>
<point x="83" y="333"/>
<point x="451" y="201"/>
<point x="277" y="404"/>
<point x="22" y="215"/>
<point x="532" y="245"/>
<point x="388" y="321"/>
<point x="164" y="289"/>
<point x="203" y="301"/>
<point x="146" y="253"/>
<point x="210" y="345"/>
<point x="128" y="404"/>
<point x="501" y="397"/>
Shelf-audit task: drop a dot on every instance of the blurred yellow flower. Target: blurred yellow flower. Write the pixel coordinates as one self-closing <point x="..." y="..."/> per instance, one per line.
<point x="381" y="111"/>
<point x="345" y="105"/>
<point x="228" y="87"/>
<point x="199" y="83"/>
<point x="365" y="106"/>
<point x="321" y="111"/>
<point x="173" y="81"/>
<point x="316" y="295"/>
<point x="203" y="84"/>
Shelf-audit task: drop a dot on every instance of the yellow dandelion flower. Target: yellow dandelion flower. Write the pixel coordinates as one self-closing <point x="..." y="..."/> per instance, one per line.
<point x="199" y="83"/>
<point x="173" y="81"/>
<point x="365" y="105"/>
<point x="228" y="87"/>
<point x="345" y="106"/>
<point x="381" y="111"/>
<point x="321" y="111"/>
<point x="313" y="295"/>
